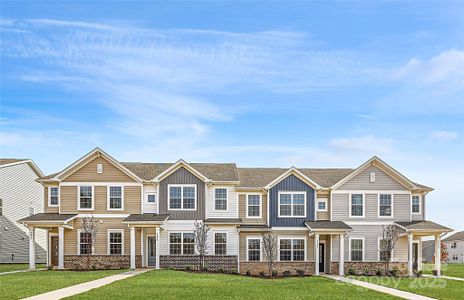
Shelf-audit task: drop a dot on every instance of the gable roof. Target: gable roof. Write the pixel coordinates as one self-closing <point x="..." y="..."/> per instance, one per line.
<point x="293" y="171"/>
<point x="7" y="162"/>
<point x="458" y="236"/>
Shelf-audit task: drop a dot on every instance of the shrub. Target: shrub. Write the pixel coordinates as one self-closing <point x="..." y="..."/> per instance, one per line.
<point x="188" y="267"/>
<point x="351" y="271"/>
<point x="394" y="272"/>
<point x="286" y="273"/>
<point x="94" y="267"/>
<point x="300" y="272"/>
<point x="50" y="268"/>
<point x="366" y="271"/>
<point x="221" y="270"/>
<point x="274" y="273"/>
<point x="233" y="271"/>
<point x="262" y="274"/>
<point x="418" y="273"/>
<point x="248" y="273"/>
<point x="378" y="272"/>
<point x="204" y="268"/>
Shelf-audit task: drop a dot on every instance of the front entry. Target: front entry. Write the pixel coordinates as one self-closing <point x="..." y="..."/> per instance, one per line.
<point x="321" y="258"/>
<point x="54" y="251"/>
<point x="151" y="251"/>
<point x="415" y="255"/>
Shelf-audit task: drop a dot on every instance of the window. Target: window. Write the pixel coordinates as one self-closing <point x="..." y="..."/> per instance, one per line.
<point x="220" y="243"/>
<point x="115" y="242"/>
<point x="385" y="205"/>
<point x="383" y="254"/>
<point x="181" y="243"/>
<point x="99" y="168"/>
<point x="253" y="206"/>
<point x="292" y="249"/>
<point x="182" y="197"/>
<point x="53" y="196"/>
<point x="321" y="204"/>
<point x="220" y="199"/>
<point x="356" y="249"/>
<point x="357" y="205"/>
<point x="115" y="198"/>
<point x="85" y="242"/>
<point x="415" y="204"/>
<point x="453" y="245"/>
<point x="1" y="207"/>
<point x="292" y="204"/>
<point x="85" y="197"/>
<point x="455" y="257"/>
<point x="254" y="249"/>
<point x="151" y="198"/>
<point x="372" y="177"/>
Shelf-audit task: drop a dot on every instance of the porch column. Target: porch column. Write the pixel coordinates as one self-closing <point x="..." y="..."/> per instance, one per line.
<point x="47" y="242"/>
<point x="438" y="254"/>
<point x="31" y="248"/>
<point x="60" y="247"/>
<point x="410" y="270"/>
<point x="157" y="246"/>
<point x="341" y="260"/>
<point x="316" y="254"/>
<point x="132" y="248"/>
<point x="142" y="248"/>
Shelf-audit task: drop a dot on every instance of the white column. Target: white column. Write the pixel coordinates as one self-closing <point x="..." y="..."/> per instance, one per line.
<point x="31" y="248"/>
<point x="132" y="248"/>
<point x="61" y="247"/>
<point x="341" y="260"/>
<point x="316" y="254"/>
<point x="410" y="270"/>
<point x="47" y="241"/>
<point x="142" y="248"/>
<point x="157" y="246"/>
<point x="438" y="254"/>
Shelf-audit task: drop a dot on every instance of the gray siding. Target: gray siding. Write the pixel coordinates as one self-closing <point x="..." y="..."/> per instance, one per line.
<point x="420" y="217"/>
<point x="182" y="176"/>
<point x="290" y="183"/>
<point x="383" y="181"/>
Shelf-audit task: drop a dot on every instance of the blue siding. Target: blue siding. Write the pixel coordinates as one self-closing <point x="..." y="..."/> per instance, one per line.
<point x="291" y="183"/>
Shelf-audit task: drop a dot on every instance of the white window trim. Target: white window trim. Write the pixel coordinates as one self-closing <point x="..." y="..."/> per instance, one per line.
<point x="146" y="198"/>
<point x="378" y="249"/>
<point x="260" y="247"/>
<point x="364" y="206"/>
<point x="420" y="204"/>
<point x="79" y="198"/>
<point x="291" y="206"/>
<point x="214" y="243"/>
<point x="227" y="198"/>
<point x="108" y="197"/>
<point x="363" y="249"/>
<point x="322" y="200"/>
<point x="108" y="240"/>
<point x="260" y="207"/>
<point x="182" y="196"/>
<point x="49" y="196"/>
<point x="79" y="244"/>
<point x="181" y="242"/>
<point x="378" y="206"/>
<point x="292" y="238"/>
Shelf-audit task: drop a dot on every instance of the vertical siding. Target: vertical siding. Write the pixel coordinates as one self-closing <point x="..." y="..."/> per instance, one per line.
<point x="242" y="198"/>
<point x="182" y="176"/>
<point x="290" y="183"/>
<point x="232" y="206"/>
<point x="383" y="181"/>
<point x="88" y="173"/>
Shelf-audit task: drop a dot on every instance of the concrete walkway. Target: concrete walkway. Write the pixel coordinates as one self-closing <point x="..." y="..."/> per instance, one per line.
<point x="86" y="286"/>
<point x="22" y="271"/>
<point x="380" y="288"/>
<point x="445" y="277"/>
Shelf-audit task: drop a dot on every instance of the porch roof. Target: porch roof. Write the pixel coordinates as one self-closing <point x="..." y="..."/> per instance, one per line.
<point x="146" y="219"/>
<point x="48" y="217"/>
<point x="223" y="221"/>
<point x="423" y="227"/>
<point x="327" y="226"/>
<point x="253" y="227"/>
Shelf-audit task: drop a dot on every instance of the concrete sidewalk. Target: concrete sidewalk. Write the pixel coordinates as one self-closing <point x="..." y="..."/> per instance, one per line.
<point x="380" y="288"/>
<point x="22" y="271"/>
<point x="86" y="286"/>
<point x="445" y="277"/>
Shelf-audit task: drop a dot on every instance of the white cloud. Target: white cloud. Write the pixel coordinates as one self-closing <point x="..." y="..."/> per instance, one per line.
<point x="444" y="136"/>
<point x="368" y="144"/>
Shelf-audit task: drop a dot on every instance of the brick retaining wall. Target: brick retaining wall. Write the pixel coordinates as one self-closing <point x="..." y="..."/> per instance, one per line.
<point x="213" y="262"/>
<point x="100" y="262"/>
<point x="256" y="267"/>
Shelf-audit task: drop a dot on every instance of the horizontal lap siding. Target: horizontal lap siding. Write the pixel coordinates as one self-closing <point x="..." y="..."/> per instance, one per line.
<point x="243" y="210"/>
<point x="420" y="217"/>
<point x="88" y="173"/>
<point x="232" y="206"/>
<point x="48" y="209"/>
<point x="383" y="181"/>
<point x="232" y="239"/>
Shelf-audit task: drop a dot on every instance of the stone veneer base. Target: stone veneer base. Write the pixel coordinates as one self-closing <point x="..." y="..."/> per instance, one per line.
<point x="371" y="266"/>
<point x="100" y="262"/>
<point x="256" y="267"/>
<point x="213" y="262"/>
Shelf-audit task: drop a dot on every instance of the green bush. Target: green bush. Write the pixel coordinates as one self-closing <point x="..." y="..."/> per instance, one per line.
<point x="351" y="271"/>
<point x="286" y="273"/>
<point x="248" y="273"/>
<point x="274" y="273"/>
<point x="300" y="272"/>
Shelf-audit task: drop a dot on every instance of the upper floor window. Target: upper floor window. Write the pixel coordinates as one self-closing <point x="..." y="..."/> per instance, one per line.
<point x="415" y="204"/>
<point x="292" y="249"/>
<point x="53" y="196"/>
<point x="85" y="243"/>
<point x="115" y="198"/>
<point x="385" y="205"/>
<point x="220" y="243"/>
<point x="151" y="198"/>
<point x="182" y="197"/>
<point x="253" y="206"/>
<point x="322" y="204"/>
<point x="85" y="197"/>
<point x="292" y="204"/>
<point x="453" y="245"/>
<point x="254" y="249"/>
<point x="220" y="199"/>
<point x="356" y="249"/>
<point x="116" y="242"/>
<point x="181" y="243"/>
<point x="357" y="205"/>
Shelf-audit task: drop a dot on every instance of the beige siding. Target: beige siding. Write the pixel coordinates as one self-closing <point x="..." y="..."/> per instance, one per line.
<point x="68" y="199"/>
<point x="48" y="209"/>
<point x="323" y="215"/>
<point x="243" y="212"/>
<point x="88" y="173"/>
<point x="383" y="181"/>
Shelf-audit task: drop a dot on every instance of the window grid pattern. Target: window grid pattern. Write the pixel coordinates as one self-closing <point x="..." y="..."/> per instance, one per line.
<point x="220" y="199"/>
<point x="115" y="197"/>
<point x="254" y="205"/>
<point x="181" y="243"/>
<point x="356" y="250"/>
<point x="254" y="249"/>
<point x="291" y="249"/>
<point x="182" y="197"/>
<point x="321" y="205"/>
<point x="151" y="198"/>
<point x="292" y="204"/>
<point x="85" y="243"/>
<point x="54" y="196"/>
<point x="383" y="254"/>
<point x="385" y="205"/>
<point x="357" y="205"/>
<point x="115" y="243"/>
<point x="415" y="204"/>
<point x="220" y="243"/>
<point x="85" y="196"/>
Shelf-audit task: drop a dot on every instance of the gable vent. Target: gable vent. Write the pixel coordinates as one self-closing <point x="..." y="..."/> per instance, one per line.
<point x="372" y="177"/>
<point x="99" y="168"/>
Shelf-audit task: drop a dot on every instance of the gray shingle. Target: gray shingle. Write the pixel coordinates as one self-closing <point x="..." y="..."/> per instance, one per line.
<point x="458" y="236"/>
<point x="52" y="217"/>
<point x="223" y="220"/>
<point x="423" y="225"/>
<point x="146" y="218"/>
<point x="5" y="161"/>
<point x="328" y="225"/>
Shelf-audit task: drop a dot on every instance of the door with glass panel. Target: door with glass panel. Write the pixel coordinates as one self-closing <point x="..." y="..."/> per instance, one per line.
<point x="151" y="251"/>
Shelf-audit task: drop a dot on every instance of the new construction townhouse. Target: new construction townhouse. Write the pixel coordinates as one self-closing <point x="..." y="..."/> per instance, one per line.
<point x="325" y="220"/>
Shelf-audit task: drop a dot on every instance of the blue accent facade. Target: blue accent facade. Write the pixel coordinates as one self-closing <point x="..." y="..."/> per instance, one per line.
<point x="294" y="184"/>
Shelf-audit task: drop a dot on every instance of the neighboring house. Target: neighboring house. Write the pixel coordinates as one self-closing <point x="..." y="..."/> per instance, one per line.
<point x="455" y="246"/>
<point x="20" y="196"/>
<point x="326" y="220"/>
<point x="428" y="251"/>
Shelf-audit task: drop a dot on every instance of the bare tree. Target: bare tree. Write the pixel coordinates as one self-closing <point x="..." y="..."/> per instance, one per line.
<point x="89" y="229"/>
<point x="390" y="235"/>
<point x="201" y="242"/>
<point x="269" y="249"/>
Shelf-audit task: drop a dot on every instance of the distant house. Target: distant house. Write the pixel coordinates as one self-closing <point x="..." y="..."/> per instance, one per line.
<point x="455" y="246"/>
<point x="428" y="251"/>
<point x="20" y="196"/>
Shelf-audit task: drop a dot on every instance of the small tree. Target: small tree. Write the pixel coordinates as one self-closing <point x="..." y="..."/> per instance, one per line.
<point x="269" y="249"/>
<point x="89" y="229"/>
<point x="444" y="252"/>
<point x="201" y="242"/>
<point x="390" y="235"/>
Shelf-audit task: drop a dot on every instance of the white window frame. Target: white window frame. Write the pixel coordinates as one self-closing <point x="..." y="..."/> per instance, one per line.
<point x="372" y="177"/>
<point x="291" y="205"/>
<point x="378" y="206"/>
<point x="420" y="204"/>
<point x="260" y="247"/>
<point x="79" y="197"/>
<point x="214" y="242"/>
<point x="182" y="196"/>
<point x="260" y="207"/>
<point x="325" y="200"/>
<point x="291" y="250"/>
<point x="150" y="194"/>
<point x="363" y="249"/>
<point x="108" y="197"/>
<point x="378" y="249"/>
<point x="109" y="231"/>
<point x="227" y="198"/>
<point x="79" y="231"/>
<point x="364" y="206"/>
<point x="50" y="196"/>
<point x="181" y="243"/>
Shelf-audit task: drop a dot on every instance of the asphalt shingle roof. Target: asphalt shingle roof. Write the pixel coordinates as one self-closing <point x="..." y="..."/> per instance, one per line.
<point x="5" y="161"/>
<point x="458" y="236"/>
<point x="223" y="220"/>
<point x="146" y="218"/>
<point x="48" y="217"/>
<point x="423" y="225"/>
<point x="328" y="225"/>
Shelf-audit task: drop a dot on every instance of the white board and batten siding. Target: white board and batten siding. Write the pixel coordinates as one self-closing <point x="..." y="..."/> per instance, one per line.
<point x="232" y="203"/>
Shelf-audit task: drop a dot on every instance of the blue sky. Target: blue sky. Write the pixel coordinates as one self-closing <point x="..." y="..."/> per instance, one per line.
<point x="311" y="84"/>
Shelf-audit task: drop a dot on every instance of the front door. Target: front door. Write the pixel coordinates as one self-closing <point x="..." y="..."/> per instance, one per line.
<point x="321" y="258"/>
<point x="54" y="251"/>
<point x="415" y="256"/>
<point x="151" y="251"/>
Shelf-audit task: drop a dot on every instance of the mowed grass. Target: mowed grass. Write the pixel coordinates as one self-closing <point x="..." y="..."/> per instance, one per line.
<point x="438" y="288"/>
<point x="168" y="284"/>
<point x="453" y="270"/>
<point x="20" y="285"/>
<point x="16" y="267"/>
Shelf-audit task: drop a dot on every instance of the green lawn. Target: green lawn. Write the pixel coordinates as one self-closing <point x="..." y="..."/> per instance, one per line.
<point x="20" y="285"/>
<point x="167" y="284"/>
<point x="438" y="288"/>
<point x="453" y="270"/>
<point x="15" y="267"/>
